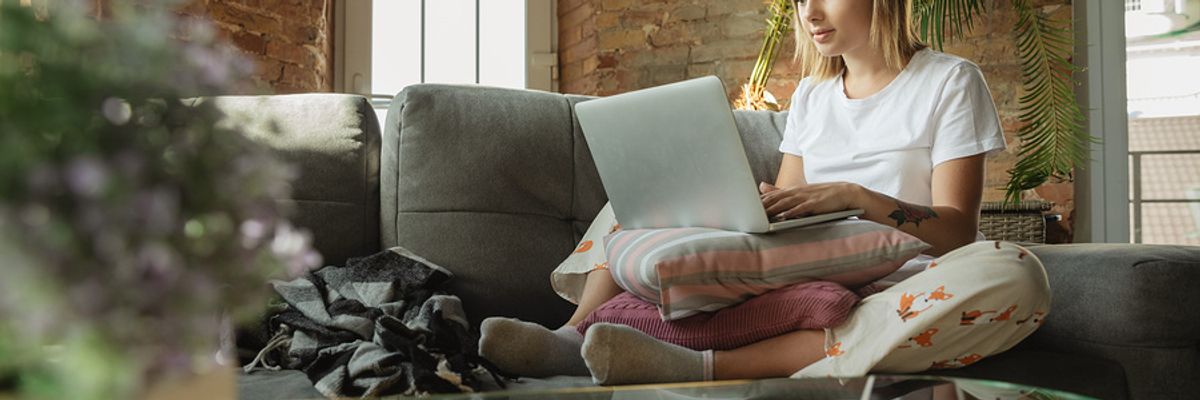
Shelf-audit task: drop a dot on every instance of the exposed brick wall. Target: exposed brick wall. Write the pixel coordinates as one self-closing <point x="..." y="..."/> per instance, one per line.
<point x="290" y="40"/>
<point x="614" y="46"/>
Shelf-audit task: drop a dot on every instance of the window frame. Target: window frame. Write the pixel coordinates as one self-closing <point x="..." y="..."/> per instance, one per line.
<point x="352" y="48"/>
<point x="1102" y="186"/>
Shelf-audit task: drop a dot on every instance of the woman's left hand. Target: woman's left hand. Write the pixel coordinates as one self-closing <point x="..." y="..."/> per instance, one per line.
<point x="809" y="199"/>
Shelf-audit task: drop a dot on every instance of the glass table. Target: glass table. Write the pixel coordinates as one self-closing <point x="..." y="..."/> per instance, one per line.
<point x="874" y="387"/>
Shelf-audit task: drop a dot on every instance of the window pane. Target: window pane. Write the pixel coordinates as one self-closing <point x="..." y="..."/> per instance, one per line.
<point x="450" y="41"/>
<point x="395" y="45"/>
<point x="381" y="117"/>
<point x="1171" y="223"/>
<point x="1156" y="86"/>
<point x="1170" y="176"/>
<point x="502" y="43"/>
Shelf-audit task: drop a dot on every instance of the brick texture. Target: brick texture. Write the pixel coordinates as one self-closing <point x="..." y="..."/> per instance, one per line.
<point x="289" y="40"/>
<point x="614" y="46"/>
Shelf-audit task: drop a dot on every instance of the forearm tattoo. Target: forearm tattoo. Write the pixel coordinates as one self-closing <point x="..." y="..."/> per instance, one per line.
<point x="911" y="213"/>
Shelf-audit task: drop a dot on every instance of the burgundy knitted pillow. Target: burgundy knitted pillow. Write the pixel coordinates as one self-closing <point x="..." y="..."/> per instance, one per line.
<point x="809" y="305"/>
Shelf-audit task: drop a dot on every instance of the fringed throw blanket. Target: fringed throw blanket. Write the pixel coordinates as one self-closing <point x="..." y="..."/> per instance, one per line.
<point x="376" y="326"/>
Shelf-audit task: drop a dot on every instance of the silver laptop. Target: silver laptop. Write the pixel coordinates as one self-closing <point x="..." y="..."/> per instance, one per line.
<point x="671" y="156"/>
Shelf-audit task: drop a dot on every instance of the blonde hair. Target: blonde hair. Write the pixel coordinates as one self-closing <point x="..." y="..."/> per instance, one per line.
<point x="891" y="32"/>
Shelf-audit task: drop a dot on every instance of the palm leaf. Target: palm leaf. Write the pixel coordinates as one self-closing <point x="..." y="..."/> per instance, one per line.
<point x="1052" y="135"/>
<point x="939" y="19"/>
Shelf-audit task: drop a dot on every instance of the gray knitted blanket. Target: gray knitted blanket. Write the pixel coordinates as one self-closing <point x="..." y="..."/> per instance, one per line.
<point x="376" y="326"/>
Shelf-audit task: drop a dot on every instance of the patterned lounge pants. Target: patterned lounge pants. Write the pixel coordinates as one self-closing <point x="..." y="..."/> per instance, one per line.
<point x="974" y="302"/>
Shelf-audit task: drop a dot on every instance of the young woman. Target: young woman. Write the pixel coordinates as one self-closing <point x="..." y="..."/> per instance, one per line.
<point x="881" y="123"/>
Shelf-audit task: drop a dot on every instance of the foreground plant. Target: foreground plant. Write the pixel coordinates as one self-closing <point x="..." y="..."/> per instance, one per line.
<point x="129" y="221"/>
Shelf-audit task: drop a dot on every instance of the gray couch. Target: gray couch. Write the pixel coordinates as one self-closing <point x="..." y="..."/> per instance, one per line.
<point x="498" y="186"/>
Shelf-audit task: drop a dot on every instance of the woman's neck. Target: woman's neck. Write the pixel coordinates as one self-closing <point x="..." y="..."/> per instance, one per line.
<point x="866" y="73"/>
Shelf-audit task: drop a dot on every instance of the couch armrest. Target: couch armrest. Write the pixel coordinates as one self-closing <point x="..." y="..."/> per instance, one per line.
<point x="1134" y="304"/>
<point x="333" y="141"/>
<point x="1123" y="294"/>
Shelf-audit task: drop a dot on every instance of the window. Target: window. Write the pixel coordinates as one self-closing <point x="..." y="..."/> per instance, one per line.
<point x="383" y="46"/>
<point x="1162" y="52"/>
<point x="1140" y="185"/>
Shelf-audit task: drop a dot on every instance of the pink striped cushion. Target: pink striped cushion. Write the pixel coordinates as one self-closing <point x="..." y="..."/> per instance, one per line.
<point x="690" y="270"/>
<point x="812" y="305"/>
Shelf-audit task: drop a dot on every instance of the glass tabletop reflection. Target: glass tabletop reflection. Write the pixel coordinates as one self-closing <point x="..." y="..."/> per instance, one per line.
<point x="873" y="387"/>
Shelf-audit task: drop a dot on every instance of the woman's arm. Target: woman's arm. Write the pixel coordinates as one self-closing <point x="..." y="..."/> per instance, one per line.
<point x="791" y="172"/>
<point x="950" y="223"/>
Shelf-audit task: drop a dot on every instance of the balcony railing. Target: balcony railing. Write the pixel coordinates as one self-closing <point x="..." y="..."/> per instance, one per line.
<point x="1137" y="200"/>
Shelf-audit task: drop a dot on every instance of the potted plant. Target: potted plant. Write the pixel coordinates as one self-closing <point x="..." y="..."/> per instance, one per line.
<point x="129" y="221"/>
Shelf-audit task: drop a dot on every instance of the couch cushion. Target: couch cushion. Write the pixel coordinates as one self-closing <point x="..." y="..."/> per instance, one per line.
<point x="480" y="180"/>
<point x="333" y="140"/>
<point x="1139" y="287"/>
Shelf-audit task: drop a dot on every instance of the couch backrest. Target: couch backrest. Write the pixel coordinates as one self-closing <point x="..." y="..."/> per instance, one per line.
<point x="333" y="140"/>
<point x="498" y="186"/>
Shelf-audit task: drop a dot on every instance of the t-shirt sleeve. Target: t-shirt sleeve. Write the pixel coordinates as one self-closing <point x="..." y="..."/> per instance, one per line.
<point x="791" y="131"/>
<point x="966" y="120"/>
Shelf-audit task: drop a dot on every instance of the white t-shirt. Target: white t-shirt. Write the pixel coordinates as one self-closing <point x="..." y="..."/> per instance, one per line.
<point x="937" y="109"/>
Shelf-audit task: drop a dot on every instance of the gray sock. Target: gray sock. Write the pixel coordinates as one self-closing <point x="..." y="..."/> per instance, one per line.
<point x="618" y="354"/>
<point x="529" y="349"/>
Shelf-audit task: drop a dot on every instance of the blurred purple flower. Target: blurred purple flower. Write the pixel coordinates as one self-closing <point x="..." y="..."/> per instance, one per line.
<point x="130" y="164"/>
<point x="198" y="29"/>
<point x="214" y="69"/>
<point x="87" y="176"/>
<point x="116" y="111"/>
<point x="308" y="260"/>
<point x="158" y="210"/>
<point x="88" y="296"/>
<point x="294" y="247"/>
<point x="253" y="231"/>
<point x="103" y="220"/>
<point x="160" y="264"/>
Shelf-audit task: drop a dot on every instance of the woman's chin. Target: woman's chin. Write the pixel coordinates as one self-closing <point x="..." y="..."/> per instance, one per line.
<point x="828" y="51"/>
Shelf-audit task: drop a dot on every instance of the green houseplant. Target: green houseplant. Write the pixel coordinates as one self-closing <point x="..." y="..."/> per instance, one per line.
<point x="1052" y="136"/>
<point x="129" y="220"/>
<point x="754" y="93"/>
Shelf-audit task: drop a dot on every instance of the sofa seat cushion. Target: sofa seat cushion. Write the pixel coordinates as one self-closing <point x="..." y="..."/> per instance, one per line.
<point x="1089" y="376"/>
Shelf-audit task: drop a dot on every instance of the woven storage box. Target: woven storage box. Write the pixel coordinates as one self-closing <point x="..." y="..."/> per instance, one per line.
<point x="1024" y="222"/>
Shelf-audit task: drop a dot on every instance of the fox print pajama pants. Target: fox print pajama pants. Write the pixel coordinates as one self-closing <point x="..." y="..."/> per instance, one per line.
<point x="971" y="303"/>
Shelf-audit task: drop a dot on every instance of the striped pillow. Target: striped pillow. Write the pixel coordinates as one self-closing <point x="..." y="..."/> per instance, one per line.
<point x="691" y="270"/>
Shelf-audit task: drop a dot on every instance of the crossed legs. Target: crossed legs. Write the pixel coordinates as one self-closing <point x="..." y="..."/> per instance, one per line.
<point x="529" y="349"/>
<point x="618" y="354"/>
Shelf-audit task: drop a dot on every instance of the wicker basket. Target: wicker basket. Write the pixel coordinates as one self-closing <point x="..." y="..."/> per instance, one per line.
<point x="1023" y="223"/>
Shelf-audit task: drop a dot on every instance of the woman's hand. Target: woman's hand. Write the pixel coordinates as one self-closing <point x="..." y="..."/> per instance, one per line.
<point x="809" y="199"/>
